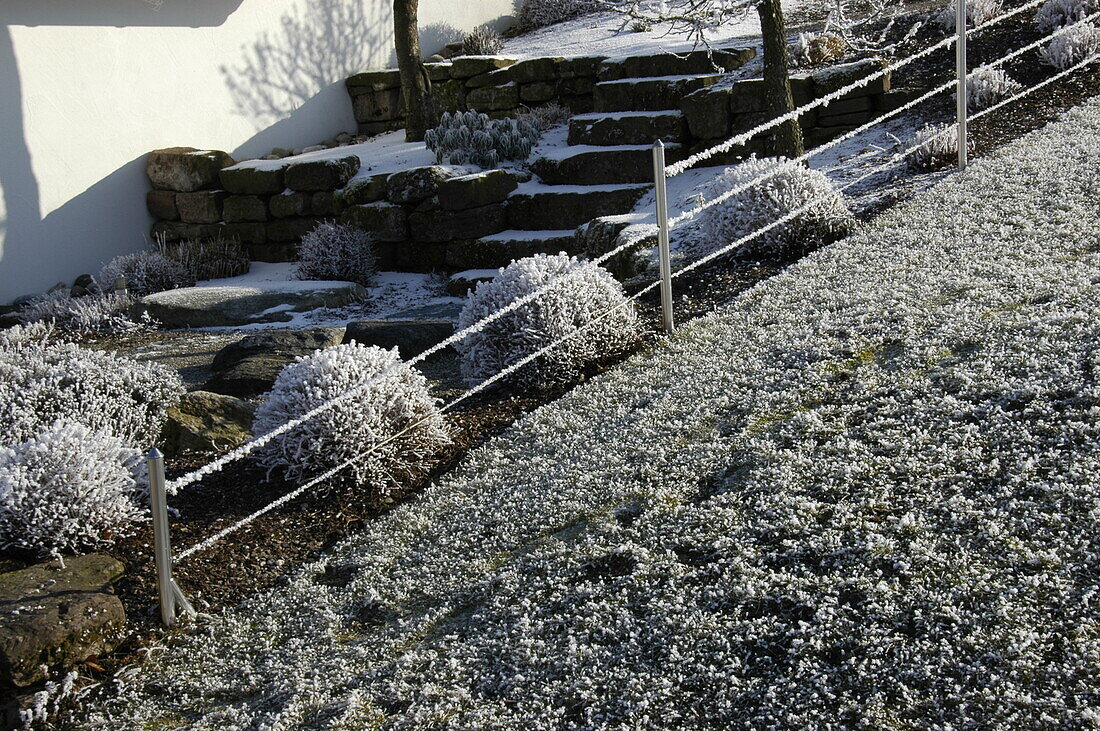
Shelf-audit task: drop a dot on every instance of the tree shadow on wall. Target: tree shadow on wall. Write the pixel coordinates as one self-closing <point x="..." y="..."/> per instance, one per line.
<point x="314" y="46"/>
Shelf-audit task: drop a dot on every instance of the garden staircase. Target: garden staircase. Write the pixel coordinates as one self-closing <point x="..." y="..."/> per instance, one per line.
<point x="607" y="166"/>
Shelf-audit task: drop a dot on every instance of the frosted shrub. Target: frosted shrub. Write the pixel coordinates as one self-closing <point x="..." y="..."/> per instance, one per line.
<point x="812" y="49"/>
<point x="146" y="272"/>
<point x="332" y="251"/>
<point x="577" y="302"/>
<point x="68" y="488"/>
<point x="96" y="314"/>
<point x="43" y="382"/>
<point x="209" y="258"/>
<point x="545" y="117"/>
<point x="766" y="202"/>
<point x="532" y="14"/>
<point x="482" y="41"/>
<point x="1055" y="14"/>
<point x="1076" y="44"/>
<point x="977" y="12"/>
<point x="393" y="397"/>
<point x="935" y="146"/>
<point x="986" y="86"/>
<point x="473" y="139"/>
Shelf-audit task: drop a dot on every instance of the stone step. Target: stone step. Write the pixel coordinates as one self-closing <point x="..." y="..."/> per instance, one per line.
<point x="675" y="64"/>
<point x="627" y="128"/>
<point x="534" y="206"/>
<point x="648" y="93"/>
<point x="499" y="250"/>
<point x="598" y="165"/>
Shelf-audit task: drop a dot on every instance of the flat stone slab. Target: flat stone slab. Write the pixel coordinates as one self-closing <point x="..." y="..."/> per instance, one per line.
<point x="53" y="616"/>
<point x="226" y="306"/>
<point x="410" y="337"/>
<point x="250" y="366"/>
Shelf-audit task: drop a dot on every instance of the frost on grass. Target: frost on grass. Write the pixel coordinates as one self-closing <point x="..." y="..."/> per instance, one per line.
<point x="68" y="489"/>
<point x="42" y="382"/>
<point x="588" y="306"/>
<point x="335" y="252"/>
<point x="864" y="494"/>
<point x="766" y="202"/>
<point x="934" y="146"/>
<point x="1077" y="43"/>
<point x="391" y="420"/>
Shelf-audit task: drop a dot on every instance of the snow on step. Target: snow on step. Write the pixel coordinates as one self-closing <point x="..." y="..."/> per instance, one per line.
<point x="651" y="93"/>
<point x="627" y="128"/>
<point x="501" y="249"/>
<point x="671" y="64"/>
<point x="596" y="165"/>
<point x="533" y="206"/>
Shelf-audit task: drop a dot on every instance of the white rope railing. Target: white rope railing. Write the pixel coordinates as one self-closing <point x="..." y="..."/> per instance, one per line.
<point x="512" y="368"/>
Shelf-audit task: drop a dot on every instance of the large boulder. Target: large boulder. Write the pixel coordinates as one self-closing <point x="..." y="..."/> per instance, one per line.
<point x="410" y="337"/>
<point x="185" y="169"/>
<point x="464" y="67"/>
<point x="249" y="366"/>
<point x="416" y="184"/>
<point x="205" y="422"/>
<point x="203" y="206"/>
<point x="314" y="175"/>
<point x="244" y="305"/>
<point x="440" y="226"/>
<point x="245" y="179"/>
<point x="57" y="617"/>
<point x="494" y="98"/>
<point x="474" y="191"/>
<point x="161" y="205"/>
<point x="601" y="235"/>
<point x="387" y="221"/>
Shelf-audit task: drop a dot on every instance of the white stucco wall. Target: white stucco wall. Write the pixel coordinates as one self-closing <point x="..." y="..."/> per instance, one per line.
<point x="88" y="87"/>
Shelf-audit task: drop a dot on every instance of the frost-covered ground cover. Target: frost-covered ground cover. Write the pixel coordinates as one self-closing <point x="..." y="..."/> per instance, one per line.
<point x="865" y="492"/>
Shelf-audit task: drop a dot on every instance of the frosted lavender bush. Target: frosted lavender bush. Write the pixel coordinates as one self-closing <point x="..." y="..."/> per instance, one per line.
<point x="1055" y="14"/>
<point x="482" y="41"/>
<point x="986" y="86"/>
<point x="584" y="296"/>
<point x="473" y="139"/>
<point x="68" y="488"/>
<point x="936" y="146"/>
<point x="390" y="397"/>
<point x="333" y="251"/>
<point x="95" y="314"/>
<point x="790" y="187"/>
<point x="1077" y="43"/>
<point x="533" y="14"/>
<point x="977" y="12"/>
<point x="146" y="272"/>
<point x="42" y="382"/>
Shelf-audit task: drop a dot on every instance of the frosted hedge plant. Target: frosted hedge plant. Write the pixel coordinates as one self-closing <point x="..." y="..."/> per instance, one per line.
<point x="207" y="258"/>
<point x="534" y="14"/>
<point x="1055" y="14"/>
<point x="977" y="12"/>
<point x="67" y="489"/>
<point x="469" y="138"/>
<point x="482" y="41"/>
<point x="790" y="187"/>
<point x="391" y="423"/>
<point x="96" y="314"/>
<point x="333" y="251"/>
<point x="1076" y="44"/>
<point x="42" y="382"/>
<point x="935" y="146"/>
<point x="545" y="116"/>
<point x="587" y="303"/>
<point x="146" y="272"/>
<point x="986" y="86"/>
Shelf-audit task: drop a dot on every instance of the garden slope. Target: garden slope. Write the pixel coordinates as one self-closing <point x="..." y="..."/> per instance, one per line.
<point x="865" y="491"/>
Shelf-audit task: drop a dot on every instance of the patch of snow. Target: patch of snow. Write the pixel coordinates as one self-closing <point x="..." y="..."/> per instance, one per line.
<point x="524" y="235"/>
<point x="532" y="187"/>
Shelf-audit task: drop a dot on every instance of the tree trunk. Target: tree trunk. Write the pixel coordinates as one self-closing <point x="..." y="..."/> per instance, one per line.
<point x="777" y="81"/>
<point x="416" y="87"/>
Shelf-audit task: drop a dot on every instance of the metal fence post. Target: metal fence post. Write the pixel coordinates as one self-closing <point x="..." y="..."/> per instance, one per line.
<point x="171" y="598"/>
<point x="960" y="69"/>
<point x="662" y="235"/>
